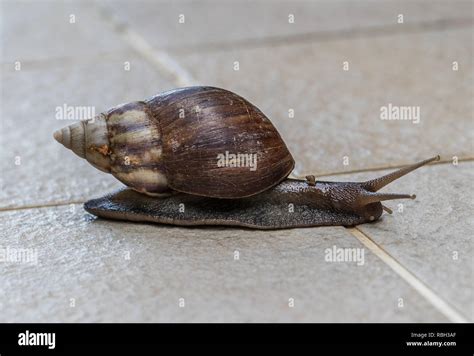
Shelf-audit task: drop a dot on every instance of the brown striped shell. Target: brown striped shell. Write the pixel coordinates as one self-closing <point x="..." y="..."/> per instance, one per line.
<point x="198" y="140"/>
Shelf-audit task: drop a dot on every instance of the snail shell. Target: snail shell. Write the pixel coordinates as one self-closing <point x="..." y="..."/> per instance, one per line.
<point x="172" y="141"/>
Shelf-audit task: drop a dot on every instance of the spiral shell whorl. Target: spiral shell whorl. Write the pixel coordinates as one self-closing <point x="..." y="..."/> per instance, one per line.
<point x="136" y="148"/>
<point x="125" y="142"/>
<point x="72" y="137"/>
<point x="89" y="140"/>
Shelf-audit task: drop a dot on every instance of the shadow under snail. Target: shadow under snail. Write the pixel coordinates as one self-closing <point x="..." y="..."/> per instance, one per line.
<point x="206" y="156"/>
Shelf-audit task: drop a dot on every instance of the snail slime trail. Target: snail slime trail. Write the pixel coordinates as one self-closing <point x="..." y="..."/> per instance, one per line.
<point x="169" y="155"/>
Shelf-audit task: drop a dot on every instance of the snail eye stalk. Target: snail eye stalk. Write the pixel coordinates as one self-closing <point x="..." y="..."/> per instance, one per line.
<point x="370" y="187"/>
<point x="378" y="183"/>
<point x="369" y="197"/>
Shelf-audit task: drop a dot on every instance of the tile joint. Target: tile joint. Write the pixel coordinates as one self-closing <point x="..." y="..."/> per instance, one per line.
<point x="423" y="289"/>
<point x="46" y="205"/>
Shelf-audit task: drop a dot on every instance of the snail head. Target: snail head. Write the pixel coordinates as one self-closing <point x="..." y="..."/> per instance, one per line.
<point x="368" y="202"/>
<point x="362" y="197"/>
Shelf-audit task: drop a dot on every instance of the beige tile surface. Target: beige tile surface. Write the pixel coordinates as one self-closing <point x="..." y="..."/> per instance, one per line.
<point x="217" y="25"/>
<point x="41" y="30"/>
<point x="115" y="271"/>
<point x="86" y="259"/>
<point x="47" y="172"/>
<point x="337" y="112"/>
<point x="432" y="236"/>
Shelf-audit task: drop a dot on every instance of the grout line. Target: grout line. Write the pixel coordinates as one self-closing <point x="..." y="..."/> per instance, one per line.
<point x="382" y="168"/>
<point x="467" y="159"/>
<point x="65" y="60"/>
<point x="250" y="43"/>
<point x="330" y="35"/>
<point x="159" y="59"/>
<point x="439" y="303"/>
<point x="39" y="206"/>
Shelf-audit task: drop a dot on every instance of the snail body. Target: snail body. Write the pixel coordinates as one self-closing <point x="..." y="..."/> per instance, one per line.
<point x="206" y="156"/>
<point x="290" y="204"/>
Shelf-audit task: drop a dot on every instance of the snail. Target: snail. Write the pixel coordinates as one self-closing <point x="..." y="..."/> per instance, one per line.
<point x="206" y="156"/>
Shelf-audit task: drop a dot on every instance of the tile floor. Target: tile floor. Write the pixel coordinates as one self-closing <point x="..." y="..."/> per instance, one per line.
<point x="417" y="263"/>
